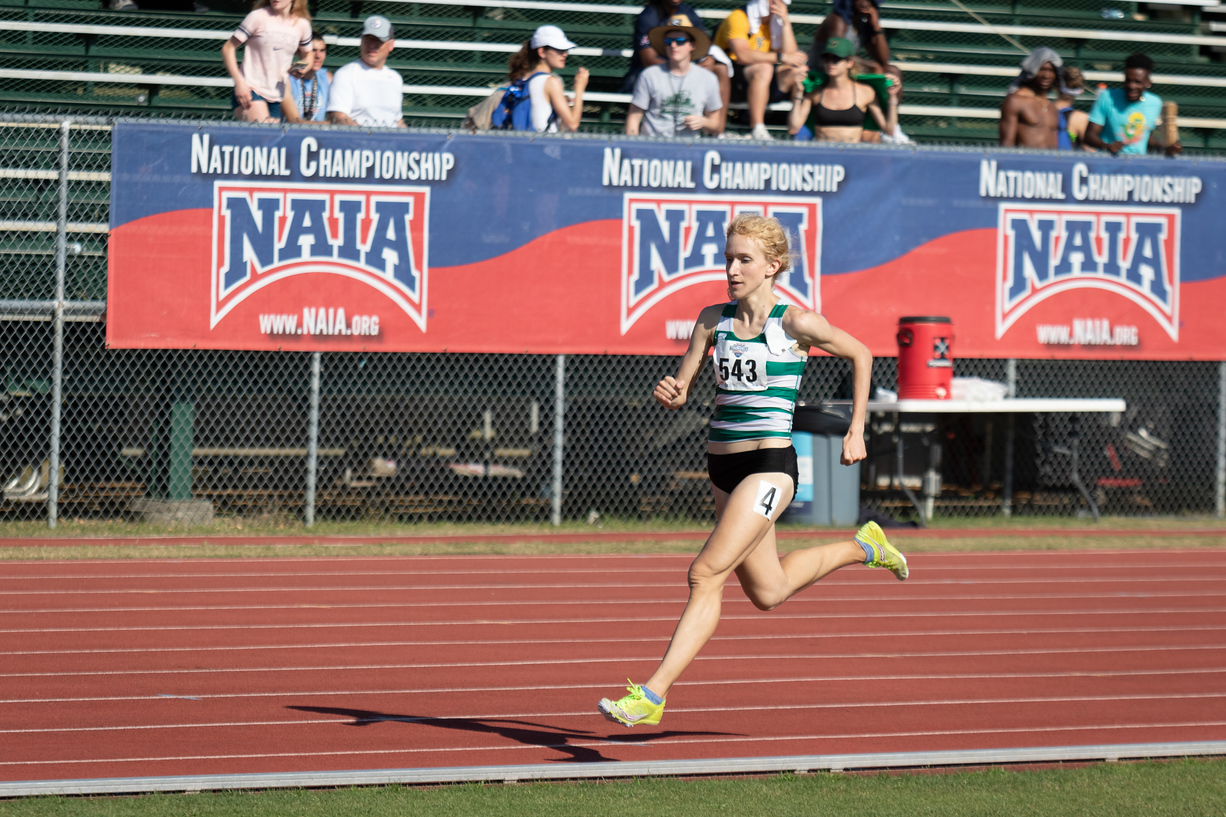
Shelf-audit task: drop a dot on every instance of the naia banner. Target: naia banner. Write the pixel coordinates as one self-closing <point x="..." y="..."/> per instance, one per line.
<point x="254" y="238"/>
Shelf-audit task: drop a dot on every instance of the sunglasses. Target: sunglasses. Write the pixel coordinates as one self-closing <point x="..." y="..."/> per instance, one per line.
<point x="676" y="40"/>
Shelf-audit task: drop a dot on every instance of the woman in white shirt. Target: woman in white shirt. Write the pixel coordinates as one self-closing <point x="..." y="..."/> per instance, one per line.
<point x="536" y="62"/>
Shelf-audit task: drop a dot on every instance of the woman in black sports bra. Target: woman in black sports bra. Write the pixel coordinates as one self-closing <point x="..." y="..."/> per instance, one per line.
<point x="841" y="103"/>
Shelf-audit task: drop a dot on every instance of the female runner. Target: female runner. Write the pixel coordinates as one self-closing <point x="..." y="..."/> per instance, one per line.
<point x="760" y="350"/>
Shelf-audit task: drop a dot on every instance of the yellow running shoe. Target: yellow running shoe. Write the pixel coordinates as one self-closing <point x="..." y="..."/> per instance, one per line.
<point x="633" y="709"/>
<point x="872" y="537"/>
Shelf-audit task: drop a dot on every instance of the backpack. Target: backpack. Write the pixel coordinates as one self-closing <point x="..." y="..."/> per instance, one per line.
<point x="479" y="115"/>
<point x="514" y="112"/>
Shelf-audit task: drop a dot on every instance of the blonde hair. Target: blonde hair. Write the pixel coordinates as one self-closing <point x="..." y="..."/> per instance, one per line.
<point x="298" y="9"/>
<point x="769" y="234"/>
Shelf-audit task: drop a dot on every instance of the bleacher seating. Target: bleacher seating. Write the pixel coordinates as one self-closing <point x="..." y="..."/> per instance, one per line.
<point x="72" y="55"/>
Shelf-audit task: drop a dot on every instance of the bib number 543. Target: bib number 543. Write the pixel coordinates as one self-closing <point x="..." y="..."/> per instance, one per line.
<point x="747" y="373"/>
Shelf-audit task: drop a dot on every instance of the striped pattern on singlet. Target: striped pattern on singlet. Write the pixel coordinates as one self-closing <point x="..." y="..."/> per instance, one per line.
<point x="746" y="406"/>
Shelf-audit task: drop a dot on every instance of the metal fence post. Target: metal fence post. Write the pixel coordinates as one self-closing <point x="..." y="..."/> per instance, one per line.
<point x="312" y="443"/>
<point x="1006" y="505"/>
<point x="1221" y="438"/>
<point x="57" y="349"/>
<point x="559" y="411"/>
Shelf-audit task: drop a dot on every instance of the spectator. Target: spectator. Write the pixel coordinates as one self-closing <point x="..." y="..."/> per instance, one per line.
<point x="842" y="103"/>
<point x="1072" y="121"/>
<point x="858" y="21"/>
<point x="767" y="64"/>
<point x="660" y="12"/>
<point x="307" y="100"/>
<point x="1129" y="116"/>
<point x="1027" y="116"/>
<point x="271" y="33"/>
<point x="535" y="63"/>
<point x="673" y="98"/>
<point x="366" y="91"/>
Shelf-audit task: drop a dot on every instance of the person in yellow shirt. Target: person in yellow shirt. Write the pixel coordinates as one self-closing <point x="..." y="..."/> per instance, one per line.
<point x="766" y="60"/>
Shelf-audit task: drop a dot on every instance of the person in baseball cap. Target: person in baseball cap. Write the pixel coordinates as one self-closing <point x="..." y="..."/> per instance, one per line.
<point x="531" y="71"/>
<point x="840" y="47"/>
<point x="551" y="37"/>
<point x="840" y="103"/>
<point x="366" y="91"/>
<point x="379" y="27"/>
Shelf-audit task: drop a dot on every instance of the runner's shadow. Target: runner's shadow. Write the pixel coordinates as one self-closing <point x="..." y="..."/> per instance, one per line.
<point x="525" y="732"/>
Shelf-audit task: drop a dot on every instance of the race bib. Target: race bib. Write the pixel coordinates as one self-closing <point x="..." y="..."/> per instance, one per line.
<point x="740" y="366"/>
<point x="768" y="499"/>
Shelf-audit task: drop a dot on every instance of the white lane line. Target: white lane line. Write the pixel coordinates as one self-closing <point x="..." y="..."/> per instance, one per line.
<point x="918" y="560"/>
<point x="419" y="588"/>
<point x="589" y="602"/>
<point x="502" y="622"/>
<point x="427" y="719"/>
<point x="995" y="633"/>
<point x="605" y="744"/>
<point x="680" y="599"/>
<point x="621" y="659"/>
<point x="596" y="689"/>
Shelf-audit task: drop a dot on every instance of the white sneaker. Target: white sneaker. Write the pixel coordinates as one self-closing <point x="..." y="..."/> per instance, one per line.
<point x="759" y="132"/>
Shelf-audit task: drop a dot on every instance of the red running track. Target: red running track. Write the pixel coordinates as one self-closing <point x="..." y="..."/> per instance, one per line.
<point x="132" y="667"/>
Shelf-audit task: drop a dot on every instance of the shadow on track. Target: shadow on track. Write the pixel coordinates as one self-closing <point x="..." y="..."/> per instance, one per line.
<point x="524" y="732"/>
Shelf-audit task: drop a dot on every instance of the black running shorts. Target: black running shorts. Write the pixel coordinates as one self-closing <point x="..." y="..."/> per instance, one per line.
<point x="728" y="470"/>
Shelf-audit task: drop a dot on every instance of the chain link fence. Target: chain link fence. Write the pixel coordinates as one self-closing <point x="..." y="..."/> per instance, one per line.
<point x="87" y="431"/>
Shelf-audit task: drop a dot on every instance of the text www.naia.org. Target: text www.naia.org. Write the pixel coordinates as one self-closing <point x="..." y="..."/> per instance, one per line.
<point x="319" y="321"/>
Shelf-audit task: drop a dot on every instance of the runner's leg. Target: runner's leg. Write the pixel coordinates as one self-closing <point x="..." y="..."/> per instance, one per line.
<point x="742" y="524"/>
<point x="770" y="580"/>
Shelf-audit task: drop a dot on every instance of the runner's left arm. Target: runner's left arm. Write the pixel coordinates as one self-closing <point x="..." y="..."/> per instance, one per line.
<point x="811" y="329"/>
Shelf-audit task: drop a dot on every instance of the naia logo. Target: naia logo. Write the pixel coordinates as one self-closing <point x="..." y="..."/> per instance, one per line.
<point x="673" y="241"/>
<point x="265" y="232"/>
<point x="1130" y="251"/>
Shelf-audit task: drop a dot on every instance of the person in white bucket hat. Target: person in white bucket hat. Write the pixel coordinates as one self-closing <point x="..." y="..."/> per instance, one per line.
<point x="534" y="64"/>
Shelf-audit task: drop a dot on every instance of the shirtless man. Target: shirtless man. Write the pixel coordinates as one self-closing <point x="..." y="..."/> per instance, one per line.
<point x="1028" y="118"/>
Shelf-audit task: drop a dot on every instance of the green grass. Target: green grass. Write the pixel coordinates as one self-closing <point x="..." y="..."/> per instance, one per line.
<point x="1184" y="787"/>
<point x="285" y="525"/>
<point x="376" y="538"/>
<point x="280" y="525"/>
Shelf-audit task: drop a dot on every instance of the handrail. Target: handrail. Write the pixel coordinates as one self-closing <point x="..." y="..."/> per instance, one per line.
<point x="451" y="90"/>
<point x="506" y="48"/>
<point x="715" y="14"/>
<point x="1093" y="76"/>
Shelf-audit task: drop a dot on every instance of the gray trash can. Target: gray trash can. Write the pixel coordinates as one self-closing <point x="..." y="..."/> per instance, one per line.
<point x="828" y="493"/>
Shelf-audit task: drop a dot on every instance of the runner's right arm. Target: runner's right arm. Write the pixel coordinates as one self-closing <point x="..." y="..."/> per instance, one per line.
<point x="672" y="392"/>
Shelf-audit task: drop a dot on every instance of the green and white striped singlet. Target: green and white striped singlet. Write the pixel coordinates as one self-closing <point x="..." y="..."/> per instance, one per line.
<point x="757" y="380"/>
